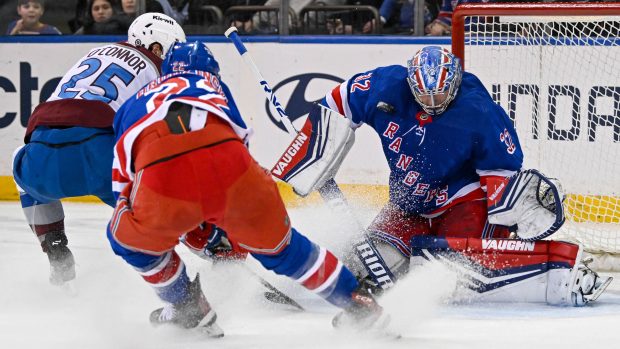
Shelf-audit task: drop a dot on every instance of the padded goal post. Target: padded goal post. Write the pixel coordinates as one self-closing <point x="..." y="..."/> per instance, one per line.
<point x="555" y="68"/>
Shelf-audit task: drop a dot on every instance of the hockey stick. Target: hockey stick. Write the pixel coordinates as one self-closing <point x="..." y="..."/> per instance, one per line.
<point x="273" y="294"/>
<point x="276" y="296"/>
<point x="330" y="192"/>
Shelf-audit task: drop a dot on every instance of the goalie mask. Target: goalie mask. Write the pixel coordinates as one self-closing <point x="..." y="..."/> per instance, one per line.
<point x="195" y="55"/>
<point x="434" y="76"/>
<point x="152" y="29"/>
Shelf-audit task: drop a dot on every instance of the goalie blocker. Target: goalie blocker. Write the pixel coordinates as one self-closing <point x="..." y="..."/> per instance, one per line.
<point x="316" y="152"/>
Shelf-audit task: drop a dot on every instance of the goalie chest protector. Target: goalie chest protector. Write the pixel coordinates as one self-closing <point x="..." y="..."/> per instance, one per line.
<point x="433" y="160"/>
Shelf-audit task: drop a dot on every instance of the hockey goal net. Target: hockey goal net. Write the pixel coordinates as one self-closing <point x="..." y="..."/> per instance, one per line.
<point x="555" y="68"/>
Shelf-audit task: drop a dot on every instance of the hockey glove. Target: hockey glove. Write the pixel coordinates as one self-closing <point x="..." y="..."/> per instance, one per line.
<point x="527" y="201"/>
<point x="210" y="242"/>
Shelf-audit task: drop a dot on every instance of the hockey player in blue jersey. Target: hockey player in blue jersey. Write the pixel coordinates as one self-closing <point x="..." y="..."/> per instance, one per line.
<point x="456" y="183"/>
<point x="181" y="159"/>
<point x="69" y="139"/>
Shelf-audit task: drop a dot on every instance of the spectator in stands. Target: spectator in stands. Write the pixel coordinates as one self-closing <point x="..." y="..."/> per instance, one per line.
<point x="442" y="25"/>
<point x="129" y="7"/>
<point x="161" y="6"/>
<point x="405" y="23"/>
<point x="243" y="20"/>
<point x="30" y="12"/>
<point x="352" y="22"/>
<point x="102" y="19"/>
<point x="81" y="8"/>
<point x="176" y="9"/>
<point x="268" y="24"/>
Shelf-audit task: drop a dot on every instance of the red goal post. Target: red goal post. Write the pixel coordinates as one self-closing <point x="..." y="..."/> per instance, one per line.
<point x="555" y="68"/>
<point x="522" y="9"/>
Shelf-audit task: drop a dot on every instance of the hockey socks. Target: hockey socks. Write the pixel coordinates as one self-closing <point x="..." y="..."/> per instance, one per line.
<point x="314" y="267"/>
<point x="47" y="222"/>
<point x="168" y="277"/>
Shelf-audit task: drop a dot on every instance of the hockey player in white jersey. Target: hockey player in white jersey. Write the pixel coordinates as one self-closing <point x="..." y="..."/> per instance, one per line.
<point x="69" y="138"/>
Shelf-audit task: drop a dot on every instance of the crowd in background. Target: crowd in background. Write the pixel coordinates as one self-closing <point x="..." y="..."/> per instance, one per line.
<point x="252" y="17"/>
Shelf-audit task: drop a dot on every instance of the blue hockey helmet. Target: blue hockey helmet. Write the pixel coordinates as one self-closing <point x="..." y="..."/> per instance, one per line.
<point x="184" y="56"/>
<point x="434" y="75"/>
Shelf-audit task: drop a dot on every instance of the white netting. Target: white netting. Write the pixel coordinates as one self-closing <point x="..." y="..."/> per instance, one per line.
<point x="559" y="79"/>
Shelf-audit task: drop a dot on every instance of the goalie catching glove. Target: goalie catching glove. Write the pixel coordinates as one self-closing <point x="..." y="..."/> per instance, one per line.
<point x="528" y="201"/>
<point x="316" y="152"/>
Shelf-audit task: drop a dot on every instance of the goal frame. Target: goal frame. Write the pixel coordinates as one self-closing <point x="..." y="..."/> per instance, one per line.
<point x="522" y="9"/>
<point x="606" y="260"/>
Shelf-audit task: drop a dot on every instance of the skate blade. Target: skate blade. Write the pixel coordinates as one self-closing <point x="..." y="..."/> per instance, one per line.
<point x="381" y="328"/>
<point x="209" y="326"/>
<point x="601" y="289"/>
<point x="212" y="331"/>
<point x="372" y="333"/>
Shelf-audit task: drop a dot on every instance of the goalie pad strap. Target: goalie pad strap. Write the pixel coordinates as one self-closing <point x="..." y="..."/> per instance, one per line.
<point x="395" y="242"/>
<point x="316" y="152"/>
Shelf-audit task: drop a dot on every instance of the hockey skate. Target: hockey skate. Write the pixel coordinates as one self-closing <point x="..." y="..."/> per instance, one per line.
<point x="62" y="264"/>
<point x="588" y="285"/>
<point x="194" y="312"/>
<point x="364" y="314"/>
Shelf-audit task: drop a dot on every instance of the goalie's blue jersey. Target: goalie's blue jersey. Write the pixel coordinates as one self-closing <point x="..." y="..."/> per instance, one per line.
<point x="435" y="161"/>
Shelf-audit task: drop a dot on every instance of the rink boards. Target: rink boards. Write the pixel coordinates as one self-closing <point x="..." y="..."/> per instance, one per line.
<point x="301" y="70"/>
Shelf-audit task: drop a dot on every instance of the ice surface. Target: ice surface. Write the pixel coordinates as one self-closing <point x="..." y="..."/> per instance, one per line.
<point x="113" y="302"/>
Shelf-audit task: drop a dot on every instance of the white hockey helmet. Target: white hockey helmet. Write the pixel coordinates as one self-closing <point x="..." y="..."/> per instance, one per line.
<point x="151" y="28"/>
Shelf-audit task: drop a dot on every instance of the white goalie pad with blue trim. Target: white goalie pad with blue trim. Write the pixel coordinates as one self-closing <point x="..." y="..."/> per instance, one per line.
<point x="315" y="154"/>
<point x="531" y="202"/>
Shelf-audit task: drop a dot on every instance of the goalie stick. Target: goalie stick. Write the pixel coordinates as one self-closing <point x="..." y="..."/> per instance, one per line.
<point x="365" y="249"/>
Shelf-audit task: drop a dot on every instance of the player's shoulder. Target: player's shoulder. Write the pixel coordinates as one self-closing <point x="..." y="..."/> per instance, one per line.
<point x="390" y="74"/>
<point x="472" y="86"/>
<point x="382" y="79"/>
<point x="126" y="106"/>
<point x="472" y="95"/>
<point x="126" y="54"/>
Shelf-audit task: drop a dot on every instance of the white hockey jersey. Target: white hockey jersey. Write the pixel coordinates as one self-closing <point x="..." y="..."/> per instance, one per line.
<point x="110" y="74"/>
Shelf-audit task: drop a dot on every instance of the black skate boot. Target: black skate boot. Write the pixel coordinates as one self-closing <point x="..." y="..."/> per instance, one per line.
<point x="363" y="314"/>
<point x="194" y="312"/>
<point x="62" y="264"/>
